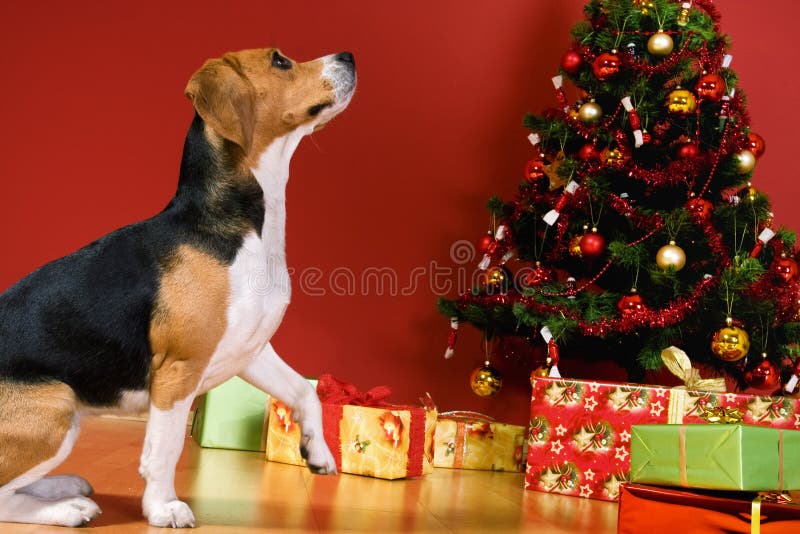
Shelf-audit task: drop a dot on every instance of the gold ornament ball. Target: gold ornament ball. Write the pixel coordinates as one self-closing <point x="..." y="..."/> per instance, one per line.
<point x="485" y="381"/>
<point x="496" y="277"/>
<point x="681" y="102"/>
<point x="590" y="112"/>
<point x="671" y="256"/>
<point x="660" y="44"/>
<point x="575" y="246"/>
<point x="745" y="162"/>
<point x="730" y="343"/>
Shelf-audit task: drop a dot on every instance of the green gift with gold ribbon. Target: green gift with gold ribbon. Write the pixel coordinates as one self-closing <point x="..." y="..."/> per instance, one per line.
<point x="716" y="456"/>
<point x="232" y="416"/>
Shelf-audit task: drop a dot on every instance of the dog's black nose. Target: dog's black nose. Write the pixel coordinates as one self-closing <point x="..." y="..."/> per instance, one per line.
<point x="346" y="57"/>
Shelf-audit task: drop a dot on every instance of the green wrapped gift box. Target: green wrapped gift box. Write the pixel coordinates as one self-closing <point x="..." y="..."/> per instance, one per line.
<point x="723" y="457"/>
<point x="232" y="416"/>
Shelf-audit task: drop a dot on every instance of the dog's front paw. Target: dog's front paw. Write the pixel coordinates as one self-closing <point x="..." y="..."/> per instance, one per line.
<point x="175" y="514"/>
<point x="317" y="455"/>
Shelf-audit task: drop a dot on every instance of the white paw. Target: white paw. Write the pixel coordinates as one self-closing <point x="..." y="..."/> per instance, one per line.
<point x="56" y="487"/>
<point x="175" y="514"/>
<point x="318" y="457"/>
<point x="72" y="512"/>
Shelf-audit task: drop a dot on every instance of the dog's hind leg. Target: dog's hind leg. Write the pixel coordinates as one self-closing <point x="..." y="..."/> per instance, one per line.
<point x="271" y="374"/>
<point x="58" y="486"/>
<point x="39" y="424"/>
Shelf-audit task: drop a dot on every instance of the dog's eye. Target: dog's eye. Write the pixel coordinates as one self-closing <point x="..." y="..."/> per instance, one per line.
<point x="280" y="62"/>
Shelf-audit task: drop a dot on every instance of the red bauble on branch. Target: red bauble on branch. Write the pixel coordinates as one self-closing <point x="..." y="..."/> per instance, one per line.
<point x="592" y="244"/>
<point x="764" y="376"/>
<point x="756" y="144"/>
<point x="700" y="207"/>
<point x="687" y="150"/>
<point x="631" y="303"/>
<point x="710" y="88"/>
<point x="485" y="242"/>
<point x="785" y="268"/>
<point x="534" y="170"/>
<point x="606" y="65"/>
<point x="538" y="275"/>
<point x="588" y="153"/>
<point x="571" y="61"/>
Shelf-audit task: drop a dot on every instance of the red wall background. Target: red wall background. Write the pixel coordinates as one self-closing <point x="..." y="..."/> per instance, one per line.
<point x="93" y="119"/>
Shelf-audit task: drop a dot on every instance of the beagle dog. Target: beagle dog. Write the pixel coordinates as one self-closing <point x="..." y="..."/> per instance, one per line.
<point x="156" y="313"/>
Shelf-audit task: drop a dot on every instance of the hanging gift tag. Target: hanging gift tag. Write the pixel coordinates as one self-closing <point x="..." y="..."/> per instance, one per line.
<point x="546" y="334"/>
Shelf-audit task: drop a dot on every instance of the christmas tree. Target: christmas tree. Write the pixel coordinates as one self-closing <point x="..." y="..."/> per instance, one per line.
<point x="636" y="226"/>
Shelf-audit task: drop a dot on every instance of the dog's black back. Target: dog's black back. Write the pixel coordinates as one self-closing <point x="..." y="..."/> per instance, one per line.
<point x="84" y="319"/>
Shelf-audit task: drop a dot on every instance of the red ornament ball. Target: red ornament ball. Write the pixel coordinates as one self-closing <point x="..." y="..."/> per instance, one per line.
<point x="756" y="144"/>
<point x="765" y="376"/>
<point x="485" y="242"/>
<point x="786" y="268"/>
<point x="710" y="88"/>
<point x="605" y="66"/>
<point x="630" y="304"/>
<point x="588" y="153"/>
<point x="571" y="61"/>
<point x="687" y="151"/>
<point x="538" y="275"/>
<point x="700" y="207"/>
<point x="592" y="244"/>
<point x="534" y="170"/>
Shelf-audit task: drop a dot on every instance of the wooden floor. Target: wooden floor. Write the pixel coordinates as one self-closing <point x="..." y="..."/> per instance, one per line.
<point x="238" y="492"/>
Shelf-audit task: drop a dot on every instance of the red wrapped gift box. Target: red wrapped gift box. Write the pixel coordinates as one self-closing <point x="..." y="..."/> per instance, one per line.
<point x="579" y="442"/>
<point x="643" y="508"/>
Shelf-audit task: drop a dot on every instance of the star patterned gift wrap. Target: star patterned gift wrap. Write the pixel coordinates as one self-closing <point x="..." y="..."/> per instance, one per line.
<point x="580" y="431"/>
<point x="466" y="440"/>
<point x="366" y="435"/>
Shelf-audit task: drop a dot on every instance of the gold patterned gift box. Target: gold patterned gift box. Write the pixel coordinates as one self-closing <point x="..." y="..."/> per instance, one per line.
<point x="469" y="440"/>
<point x="366" y="435"/>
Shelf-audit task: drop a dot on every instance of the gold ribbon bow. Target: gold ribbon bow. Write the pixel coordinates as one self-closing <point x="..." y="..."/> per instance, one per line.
<point x="680" y="365"/>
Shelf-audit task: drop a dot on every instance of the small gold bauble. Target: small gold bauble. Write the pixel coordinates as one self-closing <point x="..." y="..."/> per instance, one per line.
<point x="745" y="161"/>
<point x="660" y="44"/>
<point x="496" y="277"/>
<point x="681" y="102"/>
<point x="485" y="381"/>
<point x="730" y="343"/>
<point x="575" y="246"/>
<point x="671" y="256"/>
<point x="541" y="372"/>
<point x="613" y="157"/>
<point x="590" y="112"/>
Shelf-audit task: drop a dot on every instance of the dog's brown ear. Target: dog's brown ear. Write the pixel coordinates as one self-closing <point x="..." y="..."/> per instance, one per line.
<point x="225" y="100"/>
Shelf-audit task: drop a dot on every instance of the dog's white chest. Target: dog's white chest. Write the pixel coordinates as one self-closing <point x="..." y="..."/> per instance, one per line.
<point x="260" y="290"/>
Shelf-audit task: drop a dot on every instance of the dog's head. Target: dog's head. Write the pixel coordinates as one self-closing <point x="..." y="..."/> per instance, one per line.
<point x="253" y="97"/>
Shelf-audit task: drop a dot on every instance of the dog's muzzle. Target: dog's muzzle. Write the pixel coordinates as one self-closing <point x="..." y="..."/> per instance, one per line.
<point x="340" y="70"/>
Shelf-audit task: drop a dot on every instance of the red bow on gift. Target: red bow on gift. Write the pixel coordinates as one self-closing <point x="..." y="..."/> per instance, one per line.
<point x="333" y="391"/>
